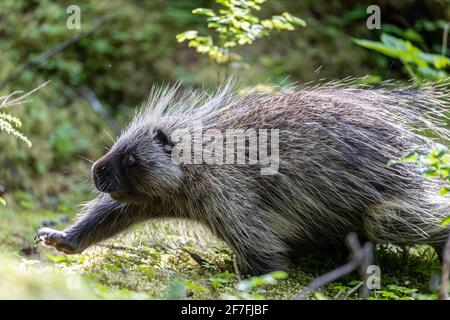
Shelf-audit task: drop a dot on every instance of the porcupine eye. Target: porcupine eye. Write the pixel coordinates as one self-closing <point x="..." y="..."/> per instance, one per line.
<point x="128" y="160"/>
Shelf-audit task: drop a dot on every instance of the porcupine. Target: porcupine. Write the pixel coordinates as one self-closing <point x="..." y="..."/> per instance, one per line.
<point x="332" y="178"/>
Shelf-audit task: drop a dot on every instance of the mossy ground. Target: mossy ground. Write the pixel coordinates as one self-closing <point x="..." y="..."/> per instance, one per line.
<point x="158" y="260"/>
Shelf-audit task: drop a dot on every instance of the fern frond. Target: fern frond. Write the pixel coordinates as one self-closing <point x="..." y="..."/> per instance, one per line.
<point x="11" y="119"/>
<point x="7" y="127"/>
<point x="10" y="123"/>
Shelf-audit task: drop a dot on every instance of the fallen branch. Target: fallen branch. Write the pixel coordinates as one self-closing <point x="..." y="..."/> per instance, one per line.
<point x="200" y="261"/>
<point x="193" y="255"/>
<point x="443" y="293"/>
<point x="118" y="247"/>
<point x="361" y="258"/>
<point x="353" y="290"/>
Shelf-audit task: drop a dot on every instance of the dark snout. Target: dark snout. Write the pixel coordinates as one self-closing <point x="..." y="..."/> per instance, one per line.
<point x="103" y="176"/>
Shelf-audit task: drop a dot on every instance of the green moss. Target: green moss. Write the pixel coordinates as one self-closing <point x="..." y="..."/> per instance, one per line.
<point x="150" y="264"/>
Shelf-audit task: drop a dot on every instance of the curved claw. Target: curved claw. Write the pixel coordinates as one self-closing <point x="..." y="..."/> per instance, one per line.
<point x="36" y="239"/>
<point x="56" y="239"/>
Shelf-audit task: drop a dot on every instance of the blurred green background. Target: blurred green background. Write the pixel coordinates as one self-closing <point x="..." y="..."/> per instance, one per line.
<point x="98" y="81"/>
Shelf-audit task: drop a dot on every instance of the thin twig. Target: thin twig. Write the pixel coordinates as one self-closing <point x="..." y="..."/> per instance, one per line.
<point x="6" y="102"/>
<point x="118" y="247"/>
<point x="236" y="268"/>
<point x="353" y="290"/>
<point x="201" y="262"/>
<point x="193" y="255"/>
<point x="361" y="258"/>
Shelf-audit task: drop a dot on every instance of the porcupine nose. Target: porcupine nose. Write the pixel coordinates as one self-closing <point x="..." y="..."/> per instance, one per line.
<point x="100" y="176"/>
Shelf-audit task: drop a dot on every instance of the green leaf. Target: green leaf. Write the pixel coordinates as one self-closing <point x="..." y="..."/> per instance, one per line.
<point x="444" y="166"/>
<point x="392" y="163"/>
<point x="203" y="49"/>
<point x="267" y="24"/>
<point x="235" y="24"/>
<point x="279" y="275"/>
<point x="444" y="191"/>
<point x="194" y="287"/>
<point x="187" y="35"/>
<point x="204" y="11"/>
<point x="417" y="63"/>
<point x="439" y="151"/>
<point x="445" y="222"/>
<point x="294" y="19"/>
<point x="428" y="171"/>
<point x="281" y="23"/>
<point x="440" y="62"/>
<point x="59" y="259"/>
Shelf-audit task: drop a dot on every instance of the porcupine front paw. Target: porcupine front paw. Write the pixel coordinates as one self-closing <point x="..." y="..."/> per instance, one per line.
<point x="56" y="239"/>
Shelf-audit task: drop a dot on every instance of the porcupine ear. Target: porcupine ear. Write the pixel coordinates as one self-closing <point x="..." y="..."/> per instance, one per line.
<point x="164" y="140"/>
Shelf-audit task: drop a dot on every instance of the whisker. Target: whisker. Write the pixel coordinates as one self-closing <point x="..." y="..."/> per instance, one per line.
<point x="84" y="158"/>
<point x="113" y="140"/>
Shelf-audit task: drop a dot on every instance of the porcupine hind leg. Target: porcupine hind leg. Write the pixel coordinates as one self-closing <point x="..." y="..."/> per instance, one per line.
<point x="401" y="223"/>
